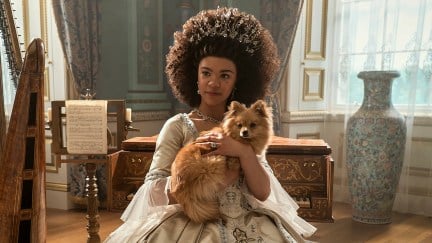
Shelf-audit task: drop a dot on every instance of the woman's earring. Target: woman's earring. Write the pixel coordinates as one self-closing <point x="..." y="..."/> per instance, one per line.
<point x="198" y="92"/>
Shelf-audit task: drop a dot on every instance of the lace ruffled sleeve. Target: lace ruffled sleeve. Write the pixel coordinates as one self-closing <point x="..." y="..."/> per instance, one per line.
<point x="152" y="195"/>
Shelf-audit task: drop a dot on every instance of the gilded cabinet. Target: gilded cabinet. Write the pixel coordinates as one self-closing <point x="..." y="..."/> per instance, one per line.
<point x="304" y="168"/>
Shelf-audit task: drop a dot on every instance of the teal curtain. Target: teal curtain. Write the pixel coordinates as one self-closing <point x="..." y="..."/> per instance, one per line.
<point x="78" y="28"/>
<point x="281" y="17"/>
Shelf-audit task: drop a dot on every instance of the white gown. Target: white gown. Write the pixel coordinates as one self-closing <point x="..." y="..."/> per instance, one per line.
<point x="149" y="218"/>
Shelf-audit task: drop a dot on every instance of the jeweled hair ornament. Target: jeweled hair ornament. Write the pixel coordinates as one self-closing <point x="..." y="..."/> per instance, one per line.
<point x="227" y="23"/>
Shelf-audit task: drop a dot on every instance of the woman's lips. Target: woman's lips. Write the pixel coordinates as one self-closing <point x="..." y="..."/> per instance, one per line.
<point x="210" y="93"/>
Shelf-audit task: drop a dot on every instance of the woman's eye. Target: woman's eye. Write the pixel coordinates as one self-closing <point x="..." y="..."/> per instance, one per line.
<point x="205" y="73"/>
<point x="225" y="76"/>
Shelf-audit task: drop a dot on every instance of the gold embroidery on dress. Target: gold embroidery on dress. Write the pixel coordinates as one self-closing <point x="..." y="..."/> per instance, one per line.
<point x="232" y="207"/>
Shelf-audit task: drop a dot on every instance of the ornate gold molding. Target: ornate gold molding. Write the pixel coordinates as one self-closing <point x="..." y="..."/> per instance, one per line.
<point x="321" y="53"/>
<point x="314" y="135"/>
<point x="44" y="33"/>
<point x="150" y="116"/>
<point x="44" y="24"/>
<point x="303" y="116"/>
<point x="308" y="93"/>
<point x="308" y="116"/>
<point x="53" y="186"/>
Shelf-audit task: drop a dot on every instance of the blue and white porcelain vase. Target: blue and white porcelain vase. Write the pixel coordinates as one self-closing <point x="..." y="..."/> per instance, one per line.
<point x="375" y="136"/>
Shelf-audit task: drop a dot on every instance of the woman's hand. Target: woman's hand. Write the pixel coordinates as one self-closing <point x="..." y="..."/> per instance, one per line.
<point x="256" y="177"/>
<point x="221" y="144"/>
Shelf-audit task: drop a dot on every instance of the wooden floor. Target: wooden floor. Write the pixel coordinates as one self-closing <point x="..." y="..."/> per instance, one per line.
<point x="69" y="226"/>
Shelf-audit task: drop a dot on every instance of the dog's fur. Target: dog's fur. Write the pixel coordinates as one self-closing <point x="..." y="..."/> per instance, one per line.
<point x="196" y="179"/>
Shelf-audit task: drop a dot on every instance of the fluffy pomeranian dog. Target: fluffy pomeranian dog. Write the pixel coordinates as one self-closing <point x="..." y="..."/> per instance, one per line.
<point x="196" y="178"/>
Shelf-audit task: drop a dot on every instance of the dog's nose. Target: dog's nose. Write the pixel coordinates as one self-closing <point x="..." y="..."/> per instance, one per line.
<point x="245" y="133"/>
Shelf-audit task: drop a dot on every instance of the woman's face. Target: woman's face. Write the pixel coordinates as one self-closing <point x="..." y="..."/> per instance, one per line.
<point x="216" y="80"/>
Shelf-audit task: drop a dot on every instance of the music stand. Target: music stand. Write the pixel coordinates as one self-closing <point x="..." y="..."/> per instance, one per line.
<point x="115" y="110"/>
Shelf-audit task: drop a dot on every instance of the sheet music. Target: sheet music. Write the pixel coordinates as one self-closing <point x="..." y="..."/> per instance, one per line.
<point x="86" y="126"/>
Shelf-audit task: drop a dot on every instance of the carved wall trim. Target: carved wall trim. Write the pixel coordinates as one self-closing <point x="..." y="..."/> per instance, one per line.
<point x="418" y="171"/>
<point x="315" y="116"/>
<point x="150" y="115"/>
<point x="313" y="84"/>
<point x="423" y="120"/>
<point x="61" y="187"/>
<point x="421" y="139"/>
<point x="26" y="24"/>
<point x="43" y="16"/>
<point x="303" y="116"/>
<point x="314" y="135"/>
<point x="311" y="51"/>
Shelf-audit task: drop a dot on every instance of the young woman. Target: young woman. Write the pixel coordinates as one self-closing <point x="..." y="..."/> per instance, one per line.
<point x="220" y="55"/>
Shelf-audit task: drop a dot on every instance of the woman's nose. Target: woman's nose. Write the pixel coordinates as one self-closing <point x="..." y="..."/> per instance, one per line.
<point x="214" y="82"/>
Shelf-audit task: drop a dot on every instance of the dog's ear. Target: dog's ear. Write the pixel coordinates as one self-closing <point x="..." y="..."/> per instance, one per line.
<point x="261" y="108"/>
<point x="235" y="107"/>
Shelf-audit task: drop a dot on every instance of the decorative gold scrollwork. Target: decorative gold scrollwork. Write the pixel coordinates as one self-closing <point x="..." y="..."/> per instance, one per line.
<point x="290" y="169"/>
<point x="138" y="164"/>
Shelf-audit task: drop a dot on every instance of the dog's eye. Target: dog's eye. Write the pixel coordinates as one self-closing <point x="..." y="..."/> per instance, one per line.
<point x="239" y="125"/>
<point x="253" y="124"/>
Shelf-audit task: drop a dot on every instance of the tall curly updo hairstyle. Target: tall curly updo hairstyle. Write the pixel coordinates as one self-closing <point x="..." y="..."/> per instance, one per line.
<point x="227" y="33"/>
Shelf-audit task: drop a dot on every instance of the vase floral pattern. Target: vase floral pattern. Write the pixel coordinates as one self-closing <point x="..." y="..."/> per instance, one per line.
<point x="376" y="135"/>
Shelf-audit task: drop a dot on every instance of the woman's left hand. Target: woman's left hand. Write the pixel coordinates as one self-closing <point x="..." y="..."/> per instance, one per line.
<point x="222" y="144"/>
